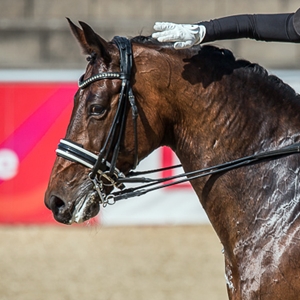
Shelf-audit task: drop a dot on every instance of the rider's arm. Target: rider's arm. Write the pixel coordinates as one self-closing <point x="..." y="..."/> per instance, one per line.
<point x="269" y="27"/>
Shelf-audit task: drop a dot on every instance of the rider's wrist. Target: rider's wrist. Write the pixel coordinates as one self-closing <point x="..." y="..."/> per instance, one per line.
<point x="201" y="34"/>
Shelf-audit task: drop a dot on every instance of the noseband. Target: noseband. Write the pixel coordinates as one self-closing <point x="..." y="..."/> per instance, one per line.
<point x="104" y="173"/>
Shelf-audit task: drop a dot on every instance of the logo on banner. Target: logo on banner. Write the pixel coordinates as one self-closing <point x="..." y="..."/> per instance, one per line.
<point x="9" y="164"/>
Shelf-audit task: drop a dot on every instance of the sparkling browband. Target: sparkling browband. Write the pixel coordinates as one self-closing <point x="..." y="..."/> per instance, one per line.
<point x="106" y="75"/>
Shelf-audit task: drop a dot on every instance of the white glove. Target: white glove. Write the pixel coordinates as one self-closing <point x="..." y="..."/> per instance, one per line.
<point x="184" y="35"/>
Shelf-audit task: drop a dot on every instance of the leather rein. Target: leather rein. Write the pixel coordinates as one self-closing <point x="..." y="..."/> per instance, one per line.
<point x="104" y="173"/>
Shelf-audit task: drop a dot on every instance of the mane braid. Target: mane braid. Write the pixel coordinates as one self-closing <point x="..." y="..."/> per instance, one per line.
<point x="272" y="79"/>
<point x="253" y="68"/>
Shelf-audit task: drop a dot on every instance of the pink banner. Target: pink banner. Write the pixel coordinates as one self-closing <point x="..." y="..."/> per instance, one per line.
<point x="34" y="118"/>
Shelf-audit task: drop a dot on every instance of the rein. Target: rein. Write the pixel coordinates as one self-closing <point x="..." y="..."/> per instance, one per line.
<point x="234" y="164"/>
<point x="102" y="169"/>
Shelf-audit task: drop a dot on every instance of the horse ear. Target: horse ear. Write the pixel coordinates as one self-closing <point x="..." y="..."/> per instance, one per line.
<point x="90" y="41"/>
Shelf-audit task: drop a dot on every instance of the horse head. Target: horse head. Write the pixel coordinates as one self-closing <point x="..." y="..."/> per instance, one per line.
<point x="108" y="133"/>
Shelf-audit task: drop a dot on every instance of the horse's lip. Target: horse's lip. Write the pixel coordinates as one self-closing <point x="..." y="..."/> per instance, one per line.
<point x="62" y="220"/>
<point x="85" y="208"/>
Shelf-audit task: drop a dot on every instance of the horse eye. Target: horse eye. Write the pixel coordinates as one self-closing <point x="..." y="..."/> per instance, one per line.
<point x="91" y="58"/>
<point x="96" y="110"/>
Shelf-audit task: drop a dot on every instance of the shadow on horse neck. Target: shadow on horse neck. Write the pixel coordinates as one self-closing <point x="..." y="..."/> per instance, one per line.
<point x="219" y="108"/>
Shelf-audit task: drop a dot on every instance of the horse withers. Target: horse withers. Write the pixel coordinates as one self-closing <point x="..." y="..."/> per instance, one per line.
<point x="209" y="108"/>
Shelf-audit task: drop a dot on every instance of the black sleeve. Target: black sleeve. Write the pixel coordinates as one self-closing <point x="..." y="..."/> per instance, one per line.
<point x="269" y="27"/>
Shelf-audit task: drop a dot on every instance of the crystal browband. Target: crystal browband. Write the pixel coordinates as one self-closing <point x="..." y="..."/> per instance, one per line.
<point x="106" y="75"/>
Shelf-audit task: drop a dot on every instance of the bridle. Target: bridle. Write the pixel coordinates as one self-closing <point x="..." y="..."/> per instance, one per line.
<point x="104" y="173"/>
<point x="99" y="165"/>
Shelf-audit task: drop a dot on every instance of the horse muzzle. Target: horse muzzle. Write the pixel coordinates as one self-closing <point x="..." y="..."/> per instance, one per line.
<point x="89" y="199"/>
<point x="85" y="208"/>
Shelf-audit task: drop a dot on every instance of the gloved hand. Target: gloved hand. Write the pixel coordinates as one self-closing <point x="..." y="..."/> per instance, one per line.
<point x="184" y="35"/>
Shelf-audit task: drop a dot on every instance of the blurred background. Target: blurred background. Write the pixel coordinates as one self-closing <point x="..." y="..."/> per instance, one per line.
<point x="34" y="33"/>
<point x="159" y="246"/>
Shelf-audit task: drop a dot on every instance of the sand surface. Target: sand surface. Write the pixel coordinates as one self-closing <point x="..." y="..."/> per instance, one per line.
<point x="111" y="263"/>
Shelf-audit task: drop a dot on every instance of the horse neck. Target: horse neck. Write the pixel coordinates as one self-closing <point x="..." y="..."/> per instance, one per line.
<point x="231" y="114"/>
<point x="218" y="120"/>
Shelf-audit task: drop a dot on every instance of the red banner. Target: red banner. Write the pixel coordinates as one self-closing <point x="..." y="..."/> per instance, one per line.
<point x="170" y="159"/>
<point x="34" y="118"/>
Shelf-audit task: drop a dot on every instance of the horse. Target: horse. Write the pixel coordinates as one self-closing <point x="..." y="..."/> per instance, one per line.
<point x="211" y="109"/>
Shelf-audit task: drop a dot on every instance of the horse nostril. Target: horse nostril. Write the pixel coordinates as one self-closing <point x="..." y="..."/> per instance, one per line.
<point x="60" y="210"/>
<point x="56" y="204"/>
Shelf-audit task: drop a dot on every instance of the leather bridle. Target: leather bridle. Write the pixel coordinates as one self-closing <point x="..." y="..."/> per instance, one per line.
<point x="99" y="165"/>
<point x="104" y="173"/>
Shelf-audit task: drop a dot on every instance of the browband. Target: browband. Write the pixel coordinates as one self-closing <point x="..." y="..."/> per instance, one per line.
<point x="105" y="75"/>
